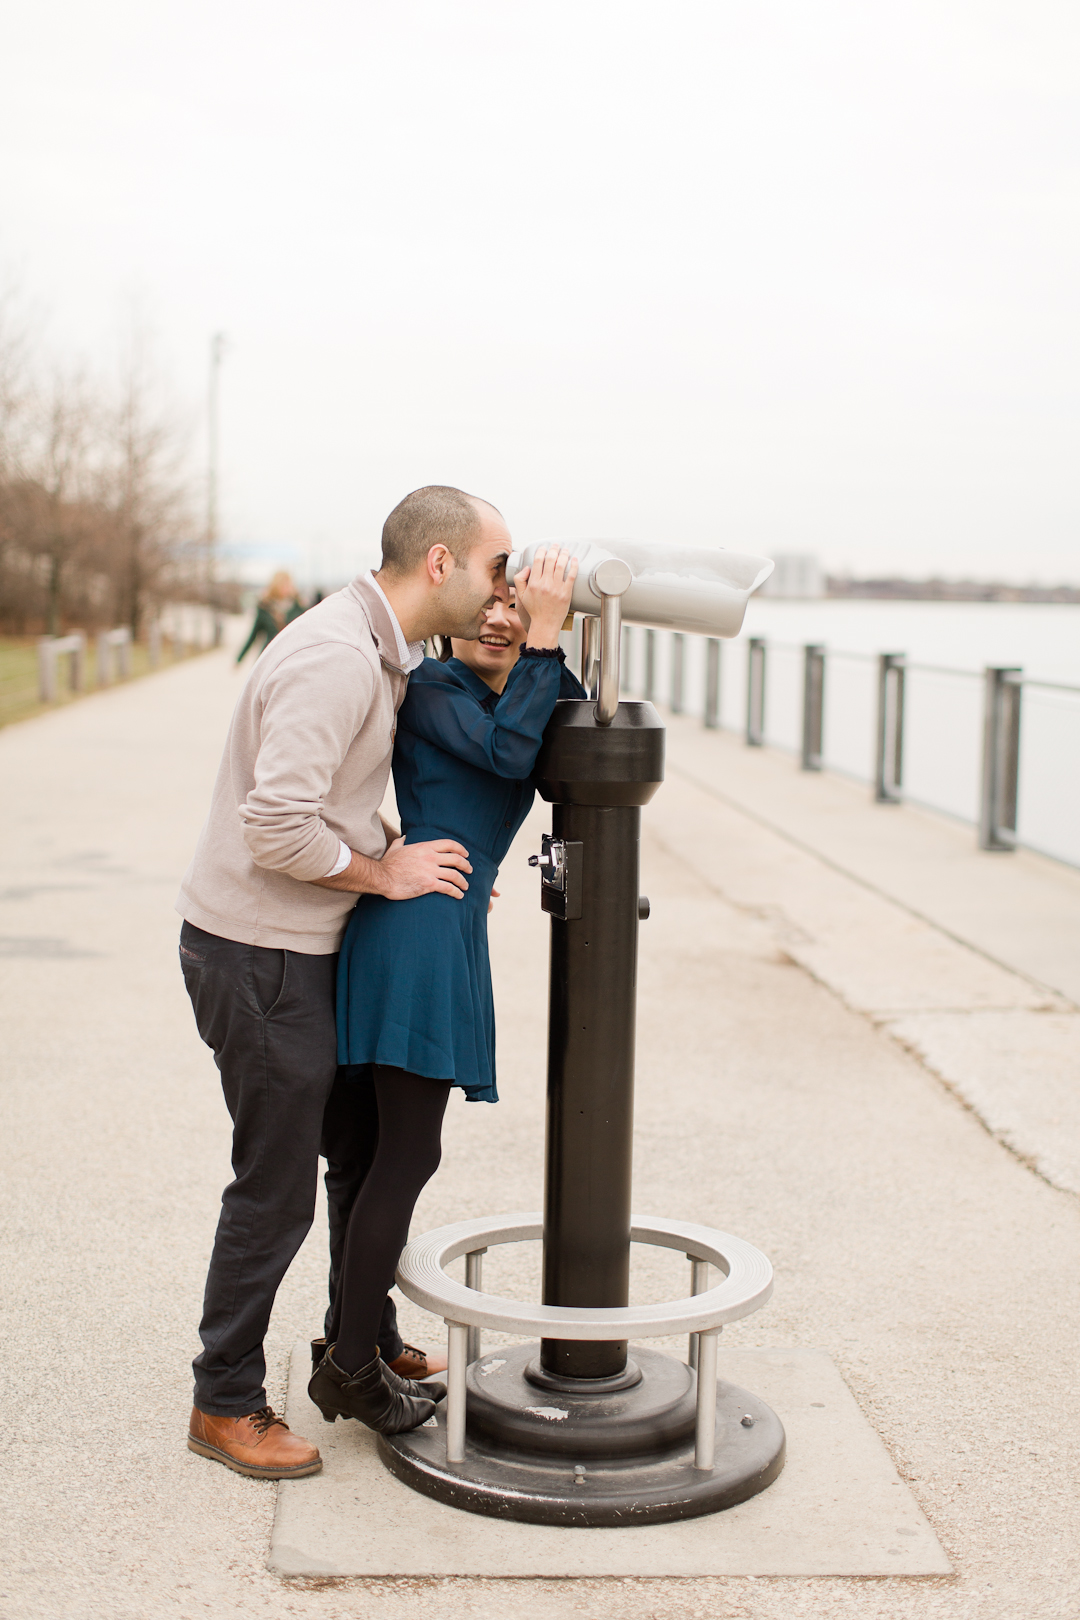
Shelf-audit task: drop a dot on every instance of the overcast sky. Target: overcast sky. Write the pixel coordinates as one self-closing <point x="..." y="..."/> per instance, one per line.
<point x="782" y="275"/>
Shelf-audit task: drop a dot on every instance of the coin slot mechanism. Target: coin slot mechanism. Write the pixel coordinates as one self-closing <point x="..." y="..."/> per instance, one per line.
<point x="560" y="867"/>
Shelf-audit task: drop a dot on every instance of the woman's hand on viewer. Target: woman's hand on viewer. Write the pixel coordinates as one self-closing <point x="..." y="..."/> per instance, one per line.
<point x="543" y="592"/>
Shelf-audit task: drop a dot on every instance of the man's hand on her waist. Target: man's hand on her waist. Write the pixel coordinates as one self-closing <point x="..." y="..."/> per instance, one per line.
<point x="405" y="871"/>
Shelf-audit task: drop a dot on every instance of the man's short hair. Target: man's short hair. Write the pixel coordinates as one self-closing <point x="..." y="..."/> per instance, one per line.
<point x="432" y="516"/>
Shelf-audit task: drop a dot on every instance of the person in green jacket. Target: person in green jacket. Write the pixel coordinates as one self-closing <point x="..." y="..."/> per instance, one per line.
<point x="277" y="607"/>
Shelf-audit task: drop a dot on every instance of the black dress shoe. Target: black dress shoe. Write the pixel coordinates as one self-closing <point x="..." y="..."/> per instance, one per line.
<point x="368" y="1396"/>
<point x="430" y="1390"/>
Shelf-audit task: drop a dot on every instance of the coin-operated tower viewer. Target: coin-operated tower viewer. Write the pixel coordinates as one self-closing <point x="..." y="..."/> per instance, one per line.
<point x="569" y="1427"/>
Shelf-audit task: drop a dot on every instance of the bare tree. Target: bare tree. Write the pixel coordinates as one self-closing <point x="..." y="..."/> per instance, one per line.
<point x="58" y="490"/>
<point x="146" y="494"/>
<point x="14" y="397"/>
<point x="96" y="498"/>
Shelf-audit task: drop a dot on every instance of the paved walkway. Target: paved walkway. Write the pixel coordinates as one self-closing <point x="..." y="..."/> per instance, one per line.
<point x="789" y="1090"/>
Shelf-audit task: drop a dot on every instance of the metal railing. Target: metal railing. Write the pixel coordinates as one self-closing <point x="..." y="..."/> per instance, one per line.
<point x="62" y="660"/>
<point x="944" y="738"/>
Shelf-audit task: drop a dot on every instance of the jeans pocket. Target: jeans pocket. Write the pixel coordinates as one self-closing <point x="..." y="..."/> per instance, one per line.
<point x="268" y="972"/>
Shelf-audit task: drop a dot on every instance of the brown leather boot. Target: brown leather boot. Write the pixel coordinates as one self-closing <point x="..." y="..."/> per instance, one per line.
<point x="258" y="1444"/>
<point x="415" y="1363"/>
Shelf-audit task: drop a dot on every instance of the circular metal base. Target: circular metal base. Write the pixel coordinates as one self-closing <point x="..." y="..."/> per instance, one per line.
<point x="512" y="1477"/>
<point x="640" y="1415"/>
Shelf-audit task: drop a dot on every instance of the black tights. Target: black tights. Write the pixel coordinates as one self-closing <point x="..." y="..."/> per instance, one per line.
<point x="411" y="1109"/>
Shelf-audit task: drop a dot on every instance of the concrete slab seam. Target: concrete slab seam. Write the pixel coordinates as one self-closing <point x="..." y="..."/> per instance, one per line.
<point x="864" y="883"/>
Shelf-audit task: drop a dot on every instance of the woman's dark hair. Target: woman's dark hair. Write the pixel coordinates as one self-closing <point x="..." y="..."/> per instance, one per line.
<point x="443" y="648"/>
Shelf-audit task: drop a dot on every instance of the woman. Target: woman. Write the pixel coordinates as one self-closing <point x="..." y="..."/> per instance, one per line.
<point x="277" y="607"/>
<point x="415" y="1012"/>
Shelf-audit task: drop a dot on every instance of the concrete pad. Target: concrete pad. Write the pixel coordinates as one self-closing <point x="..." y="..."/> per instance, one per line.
<point x="1019" y="1071"/>
<point x="839" y="1507"/>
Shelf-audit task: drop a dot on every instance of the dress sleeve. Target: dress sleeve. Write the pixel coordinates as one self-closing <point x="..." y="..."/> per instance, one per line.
<point x="505" y="740"/>
<point x="569" y="685"/>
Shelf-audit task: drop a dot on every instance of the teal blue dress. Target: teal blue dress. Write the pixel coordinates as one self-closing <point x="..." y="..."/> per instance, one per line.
<point x="414" y="979"/>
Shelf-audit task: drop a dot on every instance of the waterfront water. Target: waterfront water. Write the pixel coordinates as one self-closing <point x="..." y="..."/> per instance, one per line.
<point x="1043" y="638"/>
<point x="943" y="727"/>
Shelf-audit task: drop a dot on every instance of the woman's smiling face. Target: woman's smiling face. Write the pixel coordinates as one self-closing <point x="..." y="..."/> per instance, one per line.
<point x="494" y="655"/>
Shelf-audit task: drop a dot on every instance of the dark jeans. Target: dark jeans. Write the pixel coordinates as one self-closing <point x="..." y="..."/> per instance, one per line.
<point x="268" y="1016"/>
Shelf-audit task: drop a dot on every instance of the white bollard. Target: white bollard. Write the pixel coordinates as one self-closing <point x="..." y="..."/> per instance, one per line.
<point x="76" y="644"/>
<point x="113" y="655"/>
<point x="50" y="648"/>
<point x="46" y="670"/>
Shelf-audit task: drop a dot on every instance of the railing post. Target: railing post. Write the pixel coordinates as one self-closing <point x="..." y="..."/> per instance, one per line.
<point x="705" y="1431"/>
<point x="712" y="683"/>
<point x="457" y="1351"/>
<point x="46" y="670"/>
<point x="124" y="641"/>
<point x="813" y="712"/>
<point x="755" y="693"/>
<point x="650" y="666"/>
<point x="889" y="754"/>
<point x="699" y="1283"/>
<point x="1001" y="759"/>
<point x="678" y="665"/>
<point x="104" y="659"/>
<point x="474" y="1273"/>
<point x="78" y="660"/>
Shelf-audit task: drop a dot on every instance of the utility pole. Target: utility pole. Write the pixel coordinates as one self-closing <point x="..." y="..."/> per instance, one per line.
<point x="217" y="350"/>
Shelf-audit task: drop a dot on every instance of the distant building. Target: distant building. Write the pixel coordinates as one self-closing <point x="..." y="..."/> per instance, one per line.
<point x="797" y="576"/>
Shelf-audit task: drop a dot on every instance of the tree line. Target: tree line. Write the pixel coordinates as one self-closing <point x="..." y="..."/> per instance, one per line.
<point x="98" y="506"/>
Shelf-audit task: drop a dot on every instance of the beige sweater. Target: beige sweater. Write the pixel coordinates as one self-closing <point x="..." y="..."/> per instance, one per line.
<point x="306" y="764"/>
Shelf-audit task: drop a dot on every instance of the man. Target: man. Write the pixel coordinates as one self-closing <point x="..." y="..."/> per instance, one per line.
<point x="293" y="836"/>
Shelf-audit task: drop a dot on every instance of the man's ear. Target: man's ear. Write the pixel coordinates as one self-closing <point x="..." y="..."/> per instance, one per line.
<point x="440" y="564"/>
